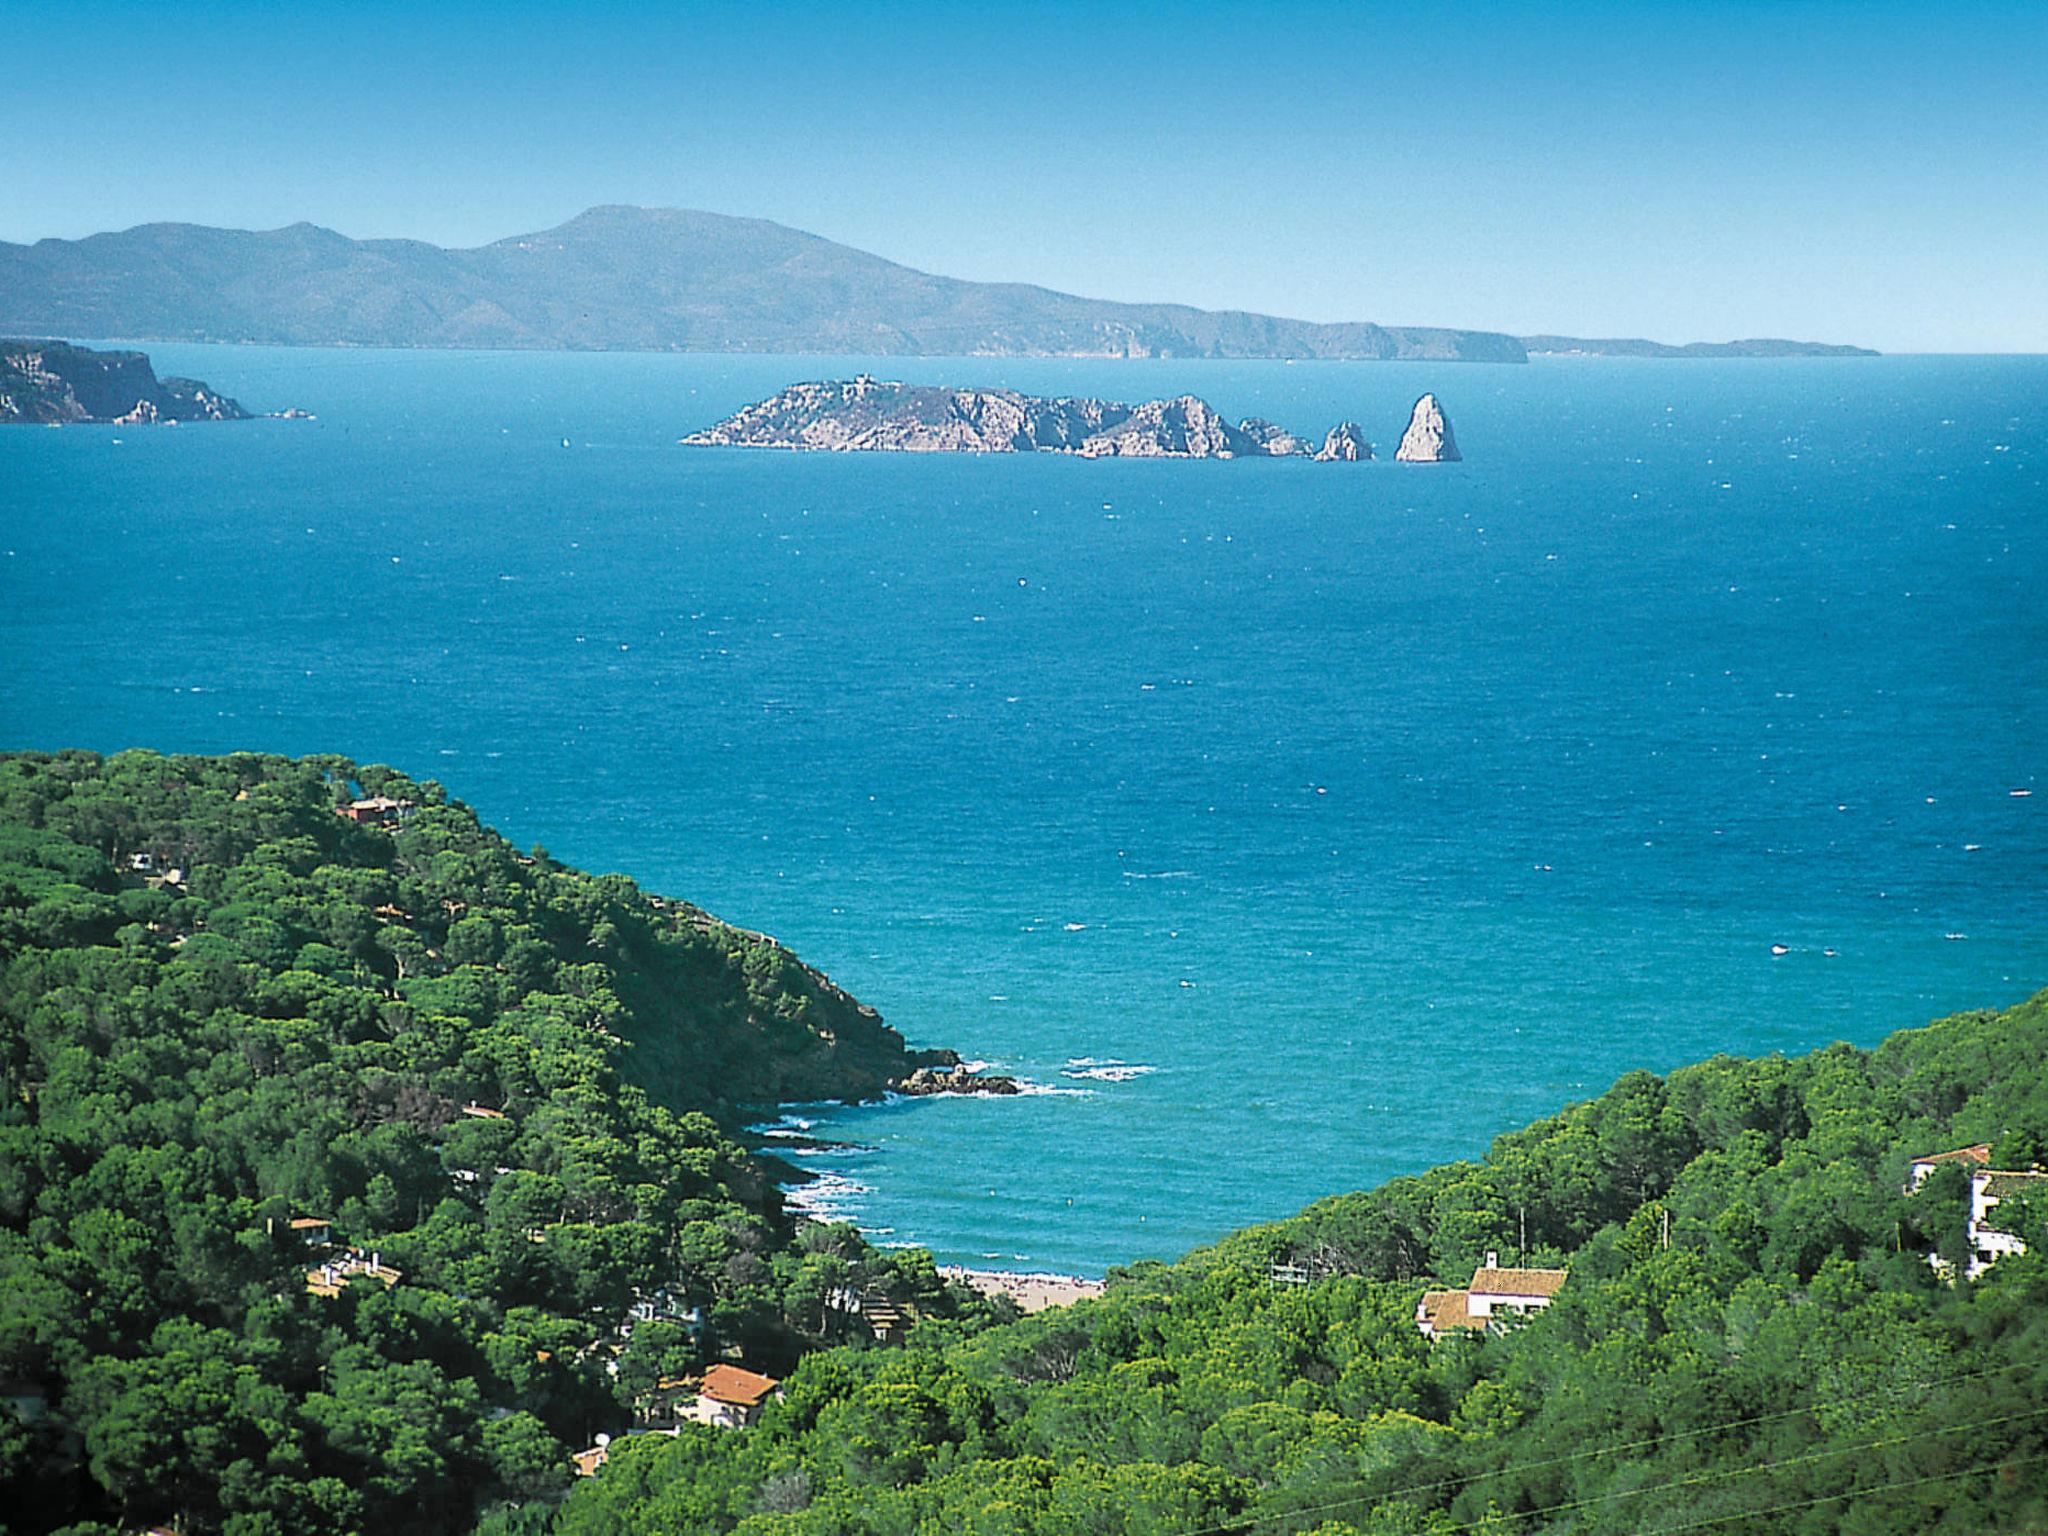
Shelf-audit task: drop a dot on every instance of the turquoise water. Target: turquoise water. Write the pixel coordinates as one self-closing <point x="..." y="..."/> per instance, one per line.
<point x="1370" y="810"/>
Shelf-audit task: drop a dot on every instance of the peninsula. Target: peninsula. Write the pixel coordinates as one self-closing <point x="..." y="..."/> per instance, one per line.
<point x="1632" y="346"/>
<point x="618" y="278"/>
<point x="50" y="383"/>
<point x="873" y="415"/>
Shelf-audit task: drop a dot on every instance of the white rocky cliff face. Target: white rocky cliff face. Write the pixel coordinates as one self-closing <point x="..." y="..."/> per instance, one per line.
<point x="1428" y="439"/>
<point x="1346" y="444"/>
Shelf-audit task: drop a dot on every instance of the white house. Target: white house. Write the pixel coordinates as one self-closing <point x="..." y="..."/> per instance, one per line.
<point x="1921" y="1169"/>
<point x="662" y="1306"/>
<point x="1989" y="1186"/>
<point x="1495" y="1298"/>
<point x="1503" y="1293"/>
<point x="730" y="1398"/>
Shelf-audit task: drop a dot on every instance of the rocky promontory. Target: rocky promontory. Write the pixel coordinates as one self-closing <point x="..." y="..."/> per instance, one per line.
<point x="53" y="382"/>
<point x="872" y="415"/>
<point x="1428" y="439"/>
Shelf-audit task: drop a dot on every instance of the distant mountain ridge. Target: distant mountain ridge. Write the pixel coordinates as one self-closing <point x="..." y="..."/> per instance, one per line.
<point x="1635" y="346"/>
<point x="617" y="278"/>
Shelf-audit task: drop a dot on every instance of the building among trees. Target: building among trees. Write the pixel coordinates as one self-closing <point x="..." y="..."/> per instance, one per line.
<point x="1494" y="1297"/>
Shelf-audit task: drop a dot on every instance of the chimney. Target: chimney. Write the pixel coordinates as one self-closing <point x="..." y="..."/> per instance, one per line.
<point x="1493" y="1258"/>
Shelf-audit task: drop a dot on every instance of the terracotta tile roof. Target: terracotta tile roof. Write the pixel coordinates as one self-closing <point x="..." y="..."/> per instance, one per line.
<point x="730" y="1384"/>
<point x="1445" y="1310"/>
<point x="1980" y="1153"/>
<point x="308" y="1223"/>
<point x="1518" y="1282"/>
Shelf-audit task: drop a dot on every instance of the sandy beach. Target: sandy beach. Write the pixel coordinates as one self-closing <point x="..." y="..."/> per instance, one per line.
<point x="1031" y="1292"/>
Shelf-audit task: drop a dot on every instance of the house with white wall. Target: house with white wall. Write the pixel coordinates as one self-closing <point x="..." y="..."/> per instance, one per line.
<point x="1495" y="1298"/>
<point x="1921" y="1169"/>
<point x="1990" y="1240"/>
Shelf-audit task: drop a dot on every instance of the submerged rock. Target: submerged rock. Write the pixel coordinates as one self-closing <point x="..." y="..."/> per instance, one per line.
<point x="1428" y="439"/>
<point x="1346" y="444"/>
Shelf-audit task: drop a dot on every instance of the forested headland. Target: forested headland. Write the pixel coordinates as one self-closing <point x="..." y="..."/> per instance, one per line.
<point x="1751" y="1340"/>
<point x="244" y="991"/>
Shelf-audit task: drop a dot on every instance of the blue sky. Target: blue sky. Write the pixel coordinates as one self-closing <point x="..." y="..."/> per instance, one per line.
<point x="1864" y="172"/>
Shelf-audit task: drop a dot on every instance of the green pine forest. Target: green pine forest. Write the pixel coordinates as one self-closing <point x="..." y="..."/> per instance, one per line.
<point x="1751" y="1338"/>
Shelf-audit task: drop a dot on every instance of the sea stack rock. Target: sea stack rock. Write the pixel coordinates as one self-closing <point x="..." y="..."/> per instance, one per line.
<point x="1346" y="444"/>
<point x="1428" y="439"/>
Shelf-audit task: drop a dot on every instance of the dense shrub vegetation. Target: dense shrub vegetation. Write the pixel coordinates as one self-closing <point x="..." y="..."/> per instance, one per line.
<point x="297" y="1026"/>
<point x="1751" y="1340"/>
<point x="308" y="1020"/>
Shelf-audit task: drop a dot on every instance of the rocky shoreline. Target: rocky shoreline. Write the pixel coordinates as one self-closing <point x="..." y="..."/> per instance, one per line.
<point x="53" y="383"/>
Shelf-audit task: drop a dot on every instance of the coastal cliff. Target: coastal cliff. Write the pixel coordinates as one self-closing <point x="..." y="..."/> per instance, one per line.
<point x="872" y="415"/>
<point x="53" y="383"/>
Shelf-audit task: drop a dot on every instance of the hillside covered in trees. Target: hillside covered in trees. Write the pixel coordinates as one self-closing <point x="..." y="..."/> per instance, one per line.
<point x="247" y="999"/>
<point x="1751" y="1340"/>
<point x="241" y="993"/>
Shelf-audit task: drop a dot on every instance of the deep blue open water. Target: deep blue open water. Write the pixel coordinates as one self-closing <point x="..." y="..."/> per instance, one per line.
<point x="1370" y="809"/>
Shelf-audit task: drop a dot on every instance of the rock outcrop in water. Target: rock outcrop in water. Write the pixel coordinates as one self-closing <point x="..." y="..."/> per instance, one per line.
<point x="927" y="1081"/>
<point x="866" y="414"/>
<point x="53" y="382"/>
<point x="1346" y="444"/>
<point x="1428" y="439"/>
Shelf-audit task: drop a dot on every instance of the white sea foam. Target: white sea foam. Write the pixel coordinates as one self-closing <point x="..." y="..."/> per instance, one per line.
<point x="782" y="1125"/>
<point x="829" y="1197"/>
<point x="1109" y="1070"/>
<point x="1039" y="1091"/>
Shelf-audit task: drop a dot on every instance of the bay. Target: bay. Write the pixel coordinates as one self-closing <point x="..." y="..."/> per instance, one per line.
<point x="1286" y="826"/>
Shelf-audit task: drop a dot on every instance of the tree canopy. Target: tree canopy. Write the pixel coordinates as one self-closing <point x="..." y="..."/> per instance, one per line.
<point x="1751" y="1339"/>
<point x="493" y="1107"/>
<point x="225" y="1007"/>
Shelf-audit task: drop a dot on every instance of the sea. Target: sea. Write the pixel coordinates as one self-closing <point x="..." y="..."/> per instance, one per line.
<point x="1282" y="826"/>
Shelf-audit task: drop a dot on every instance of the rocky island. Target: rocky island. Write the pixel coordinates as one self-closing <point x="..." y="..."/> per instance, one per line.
<point x="950" y="1076"/>
<point x="872" y="415"/>
<point x="52" y="383"/>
